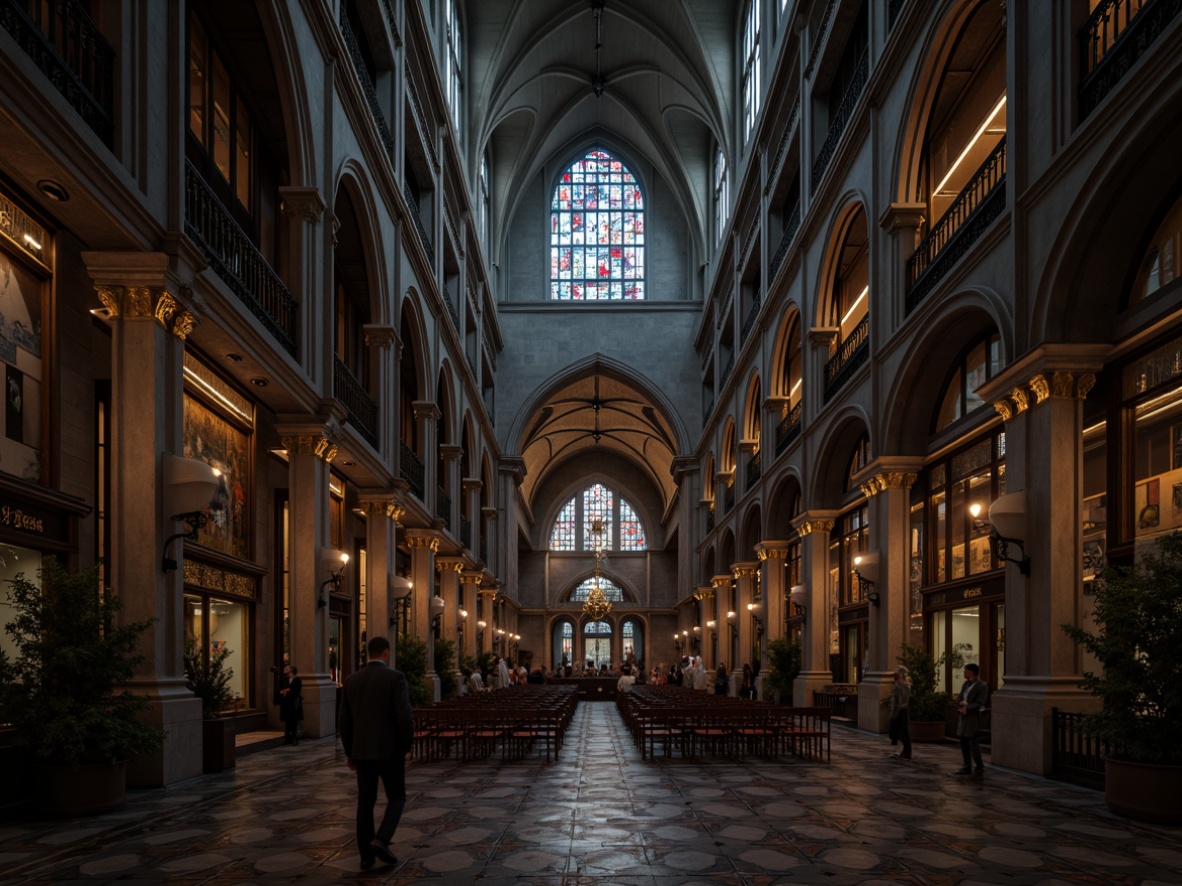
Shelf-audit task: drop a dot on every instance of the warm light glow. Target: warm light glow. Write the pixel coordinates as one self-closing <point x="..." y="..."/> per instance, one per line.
<point x="750" y="607"/>
<point x="975" y="510"/>
<point x="463" y="613"/>
<point x="676" y="636"/>
<point x="198" y="382"/>
<point x="482" y="624"/>
<point x="1001" y="103"/>
<point x="795" y="388"/>
<point x="730" y="614"/>
<point x="858" y="560"/>
<point x="710" y="623"/>
<point x="32" y="243"/>
<point x="857" y="301"/>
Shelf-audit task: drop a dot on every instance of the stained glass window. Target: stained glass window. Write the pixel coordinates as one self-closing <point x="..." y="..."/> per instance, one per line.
<point x="611" y="590"/>
<point x="597" y="512"/>
<point x="568" y="641"/>
<point x="597" y="232"/>
<point x="562" y="536"/>
<point x="597" y="627"/>
<point x="631" y="529"/>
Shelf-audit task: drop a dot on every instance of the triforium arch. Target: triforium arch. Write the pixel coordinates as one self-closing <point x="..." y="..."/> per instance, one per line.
<point x="843" y="288"/>
<point x="784" y="381"/>
<point x="753" y="411"/>
<point x="784" y="502"/>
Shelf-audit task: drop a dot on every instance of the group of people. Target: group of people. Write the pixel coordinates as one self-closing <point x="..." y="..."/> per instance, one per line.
<point x="971" y="703"/>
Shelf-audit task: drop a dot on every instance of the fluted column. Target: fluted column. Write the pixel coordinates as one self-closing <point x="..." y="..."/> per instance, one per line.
<point x="149" y="321"/>
<point x="723" y="588"/>
<point x="745" y="586"/>
<point x="773" y="559"/>
<point x="384" y="351"/>
<point x="449" y="569"/>
<point x="470" y="510"/>
<point x="469" y="585"/>
<point x="819" y="635"/>
<point x="382" y="513"/>
<point x="427" y="417"/>
<point x="423" y="545"/>
<point x="449" y="458"/>
<point x="488" y="599"/>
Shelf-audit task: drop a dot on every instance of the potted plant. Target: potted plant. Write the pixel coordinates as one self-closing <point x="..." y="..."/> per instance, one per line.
<point x="445" y="656"/>
<point x="1137" y="612"/>
<point x="209" y="680"/>
<point x="411" y="659"/>
<point x="928" y="706"/>
<point x="784" y="661"/>
<point x="63" y="692"/>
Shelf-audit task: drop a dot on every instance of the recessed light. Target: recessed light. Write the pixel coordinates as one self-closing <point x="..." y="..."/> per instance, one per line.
<point x="348" y="464"/>
<point x="234" y="358"/>
<point x="260" y="382"/>
<point x="53" y="190"/>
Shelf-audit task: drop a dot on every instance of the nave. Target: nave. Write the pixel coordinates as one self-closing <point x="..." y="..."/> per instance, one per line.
<point x="602" y="816"/>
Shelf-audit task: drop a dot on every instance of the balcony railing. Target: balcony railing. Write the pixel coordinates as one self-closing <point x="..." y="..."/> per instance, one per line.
<point x="443" y="507"/>
<point x="451" y="308"/>
<point x="68" y="48"/>
<point x="235" y="259"/>
<point x="706" y="412"/>
<point x="428" y="247"/>
<point x="974" y="209"/>
<point x="893" y="7"/>
<point x="367" y="85"/>
<point x="751" y="315"/>
<point x="789" y="428"/>
<point x="1115" y="35"/>
<point x="360" y="408"/>
<point x="853" y="352"/>
<point x="791" y="226"/>
<point x="410" y="469"/>
<point x="841" y="119"/>
<point x="726" y="370"/>
<point x="729" y="499"/>
<point x="753" y="471"/>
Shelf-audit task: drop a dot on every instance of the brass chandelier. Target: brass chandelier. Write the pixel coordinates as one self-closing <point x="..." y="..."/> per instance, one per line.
<point x="597" y="606"/>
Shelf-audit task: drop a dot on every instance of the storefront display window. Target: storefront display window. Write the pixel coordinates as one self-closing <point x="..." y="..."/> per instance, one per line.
<point x="14" y="561"/>
<point x="1157" y="448"/>
<point x="215" y="624"/>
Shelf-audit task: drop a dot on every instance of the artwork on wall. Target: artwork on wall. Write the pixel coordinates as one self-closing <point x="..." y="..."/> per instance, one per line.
<point x="20" y="351"/>
<point x="218" y="443"/>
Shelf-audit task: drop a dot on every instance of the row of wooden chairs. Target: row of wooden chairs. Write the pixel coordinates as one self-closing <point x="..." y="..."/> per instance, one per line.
<point x="514" y="721"/>
<point x="665" y="721"/>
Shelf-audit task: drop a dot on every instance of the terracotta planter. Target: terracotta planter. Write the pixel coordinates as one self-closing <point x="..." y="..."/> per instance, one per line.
<point x="927" y="731"/>
<point x="218" y="742"/>
<point x="66" y="792"/>
<point x="1144" y="791"/>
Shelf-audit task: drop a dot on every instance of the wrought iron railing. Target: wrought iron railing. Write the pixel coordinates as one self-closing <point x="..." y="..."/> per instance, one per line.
<point x="410" y="469"/>
<point x="443" y="506"/>
<point x="428" y="246"/>
<point x="706" y="412"/>
<point x="451" y="307"/>
<point x="466" y="532"/>
<point x="361" y="410"/>
<point x="367" y="85"/>
<point x="751" y="315"/>
<point x="841" y="119"/>
<point x="235" y="259"/>
<point x="753" y="471"/>
<point x="791" y="226"/>
<point x="973" y="210"/>
<point x="1075" y="756"/>
<point x="789" y="428"/>
<point x="852" y="353"/>
<point x="726" y="370"/>
<point x="67" y="47"/>
<point x="1116" y="34"/>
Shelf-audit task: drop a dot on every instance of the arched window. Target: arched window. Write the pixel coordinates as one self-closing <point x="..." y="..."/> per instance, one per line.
<point x="597" y="232"/>
<point x="722" y="200"/>
<point x="976" y="366"/>
<point x="751" y="67"/>
<point x="455" y="80"/>
<point x="574" y="527"/>
<point x="611" y="590"/>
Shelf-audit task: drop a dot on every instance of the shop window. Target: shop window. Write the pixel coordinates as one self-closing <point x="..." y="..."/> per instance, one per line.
<point x="976" y="366"/>
<point x="13" y="561"/>
<point x="1159" y="266"/>
<point x="214" y="624"/>
<point x="1153" y="393"/>
<point x="960" y="491"/>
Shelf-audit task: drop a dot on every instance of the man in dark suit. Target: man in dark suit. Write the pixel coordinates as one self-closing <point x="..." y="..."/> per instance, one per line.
<point x="974" y="698"/>
<point x="377" y="732"/>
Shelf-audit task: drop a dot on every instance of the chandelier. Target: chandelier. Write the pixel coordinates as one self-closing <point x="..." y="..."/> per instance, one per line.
<point x="597" y="606"/>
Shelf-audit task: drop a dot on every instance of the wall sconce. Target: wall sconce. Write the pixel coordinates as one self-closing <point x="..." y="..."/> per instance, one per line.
<point x="482" y="624"/>
<point x="866" y="571"/>
<point x="797" y="595"/>
<point x="463" y="621"/>
<point x="399" y="586"/>
<point x="754" y="609"/>
<point x="437" y="607"/>
<point x="1008" y="516"/>
<point x="189" y="486"/>
<point x="333" y="562"/>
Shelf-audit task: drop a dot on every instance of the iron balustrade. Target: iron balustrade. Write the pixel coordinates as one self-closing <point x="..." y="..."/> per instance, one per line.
<point x="428" y="246"/>
<point x="1116" y="34"/>
<point x="791" y="226"/>
<point x="789" y="428"/>
<point x="841" y="119"/>
<point x="410" y="469"/>
<point x="753" y="471"/>
<point x="361" y="410"/>
<point x="973" y="210"/>
<point x="751" y="316"/>
<point x="1076" y="757"/>
<point x="68" y="48"/>
<point x="451" y="308"/>
<point x="443" y="507"/>
<point x="368" y="87"/>
<point x="238" y="262"/>
<point x="852" y="353"/>
<point x="726" y="370"/>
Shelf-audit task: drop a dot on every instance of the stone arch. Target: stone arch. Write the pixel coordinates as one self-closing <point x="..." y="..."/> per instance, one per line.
<point x="353" y="181"/>
<point x="752" y="532"/>
<point x="783" y="502"/>
<point x="845" y="211"/>
<point x="837" y="445"/>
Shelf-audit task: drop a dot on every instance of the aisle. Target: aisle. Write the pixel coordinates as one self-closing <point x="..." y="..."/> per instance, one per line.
<point x="602" y="816"/>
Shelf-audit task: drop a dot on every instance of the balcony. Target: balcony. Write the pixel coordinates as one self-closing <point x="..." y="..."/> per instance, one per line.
<point x="788" y="429"/>
<point x="451" y="310"/>
<point x="1114" y="37"/>
<point x="234" y="258"/>
<point x="791" y="226"/>
<point x="443" y="507"/>
<point x="728" y="499"/>
<point x="360" y="408"/>
<point x="854" y="351"/>
<point x="973" y="211"/>
<point x="428" y="247"/>
<point x="410" y="469"/>
<point x="367" y="86"/>
<point x="726" y="370"/>
<point x="754" y="471"/>
<point x="751" y="316"/>
<point x="66" y="46"/>
<point x="841" y="119"/>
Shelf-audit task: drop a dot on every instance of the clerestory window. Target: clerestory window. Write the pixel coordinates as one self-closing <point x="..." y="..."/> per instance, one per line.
<point x="597" y="515"/>
<point x="597" y="232"/>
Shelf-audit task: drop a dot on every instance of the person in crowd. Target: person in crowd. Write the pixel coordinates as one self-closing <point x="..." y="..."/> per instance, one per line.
<point x="291" y="704"/>
<point x="677" y="674"/>
<point x="720" y="680"/>
<point x="973" y="699"/>
<point x="699" y="675"/>
<point x="627" y="679"/>
<point x="522" y="675"/>
<point x="503" y="681"/>
<point x="900" y="726"/>
<point x="475" y="681"/>
<point x="747" y="688"/>
<point x="377" y="732"/>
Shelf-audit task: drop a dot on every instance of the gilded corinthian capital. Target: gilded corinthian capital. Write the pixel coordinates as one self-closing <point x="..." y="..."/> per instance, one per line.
<point x="147" y="302"/>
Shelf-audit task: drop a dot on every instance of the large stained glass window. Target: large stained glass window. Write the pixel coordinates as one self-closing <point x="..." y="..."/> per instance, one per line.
<point x="562" y="535"/>
<point x="611" y="590"/>
<point x="574" y="527"/>
<point x="631" y="529"/>
<point x="597" y="232"/>
<point x="597" y="517"/>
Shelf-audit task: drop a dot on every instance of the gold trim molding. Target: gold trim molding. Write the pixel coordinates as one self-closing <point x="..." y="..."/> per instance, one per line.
<point x="306" y="444"/>
<point x="810" y="526"/>
<point x="888" y="480"/>
<point x="1061" y="385"/>
<point x="423" y="541"/>
<point x="145" y="301"/>
<point x="381" y="508"/>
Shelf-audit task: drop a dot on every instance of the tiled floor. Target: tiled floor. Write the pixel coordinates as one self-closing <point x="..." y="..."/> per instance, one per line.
<point x="602" y="816"/>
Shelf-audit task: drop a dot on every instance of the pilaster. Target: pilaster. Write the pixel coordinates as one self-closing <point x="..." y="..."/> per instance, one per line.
<point x="746" y="585"/>
<point x="381" y="518"/>
<point x="819" y="634"/>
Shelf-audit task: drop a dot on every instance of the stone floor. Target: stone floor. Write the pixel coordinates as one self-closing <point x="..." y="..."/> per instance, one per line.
<point x="602" y="816"/>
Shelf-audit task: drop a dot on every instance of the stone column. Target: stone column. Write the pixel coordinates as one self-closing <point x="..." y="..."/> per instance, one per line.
<point x="382" y="513"/>
<point x="700" y="634"/>
<point x="773" y="556"/>
<point x="307" y="242"/>
<point x="816" y="638"/>
<point x="449" y="569"/>
<point x="487" y="546"/>
<point x="723" y="588"/>
<point x="747" y="450"/>
<point x="384" y="351"/>
<point x="488" y="598"/>
<point x="149" y="323"/>
<point x="470" y="511"/>
<point x="427" y="417"/>
<point x="686" y="474"/>
<point x="745" y="583"/>
<point x="511" y="471"/>
<point x="823" y="339"/>
<point x="424" y="545"/>
<point x="469" y="585"/>
<point x="1041" y="400"/>
<point x="903" y="223"/>
<point x="449" y="458"/>
<point x="888" y="494"/>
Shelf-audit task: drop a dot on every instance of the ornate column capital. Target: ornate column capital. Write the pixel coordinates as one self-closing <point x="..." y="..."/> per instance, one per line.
<point x="419" y="538"/>
<point x="810" y="522"/>
<point x="426" y="410"/>
<point x="380" y="336"/>
<point x="683" y="466"/>
<point x="471" y="578"/>
<point x="720" y="582"/>
<point x="704" y="593"/>
<point x="824" y="336"/>
<point x="302" y="203"/>
<point x="749" y="447"/>
<point x="449" y="564"/>
<point x="744" y="570"/>
<point x="1056" y="385"/>
<point x="308" y="444"/>
<point x="381" y="507"/>
<point x="772" y="550"/>
<point x="450" y="451"/>
<point x="903" y="217"/>
<point x="514" y="467"/>
<point x="472" y="484"/>
<point x="1056" y="371"/>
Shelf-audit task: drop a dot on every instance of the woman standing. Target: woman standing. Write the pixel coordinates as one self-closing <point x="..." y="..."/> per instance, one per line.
<point x="900" y="715"/>
<point x="291" y="704"/>
<point x="747" y="690"/>
<point x="720" y="680"/>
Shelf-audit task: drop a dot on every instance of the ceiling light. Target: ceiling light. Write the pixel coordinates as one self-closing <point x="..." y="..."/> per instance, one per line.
<point x="259" y="382"/>
<point x="53" y="190"/>
<point x="1001" y="103"/>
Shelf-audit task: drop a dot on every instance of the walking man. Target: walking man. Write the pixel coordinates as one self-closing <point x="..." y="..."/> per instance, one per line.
<point x="974" y="696"/>
<point x="377" y="732"/>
